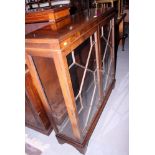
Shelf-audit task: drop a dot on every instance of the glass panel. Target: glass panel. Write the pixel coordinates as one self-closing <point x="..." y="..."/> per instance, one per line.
<point x="83" y="72"/>
<point x="49" y="79"/>
<point x="106" y="54"/>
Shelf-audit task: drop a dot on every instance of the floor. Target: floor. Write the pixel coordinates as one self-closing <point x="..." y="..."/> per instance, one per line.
<point x="111" y="135"/>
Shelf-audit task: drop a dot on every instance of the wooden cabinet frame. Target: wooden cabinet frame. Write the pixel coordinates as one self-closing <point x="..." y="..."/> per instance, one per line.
<point x="58" y="49"/>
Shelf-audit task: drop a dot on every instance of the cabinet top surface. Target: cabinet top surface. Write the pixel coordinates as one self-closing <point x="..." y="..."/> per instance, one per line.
<point x="69" y="25"/>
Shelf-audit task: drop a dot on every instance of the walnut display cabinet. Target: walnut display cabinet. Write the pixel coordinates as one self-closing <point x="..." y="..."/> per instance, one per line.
<point x="73" y="69"/>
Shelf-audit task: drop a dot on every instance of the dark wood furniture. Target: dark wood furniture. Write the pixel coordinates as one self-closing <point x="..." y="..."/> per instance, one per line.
<point x="47" y="15"/>
<point x="35" y="115"/>
<point x="75" y="6"/>
<point x="73" y="69"/>
<point x="105" y="3"/>
<point x="31" y="5"/>
<point x="120" y="29"/>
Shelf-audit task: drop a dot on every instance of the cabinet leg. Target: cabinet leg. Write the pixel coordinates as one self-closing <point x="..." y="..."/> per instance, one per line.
<point x="114" y="84"/>
<point x="60" y="141"/>
<point x="80" y="148"/>
<point x="123" y="40"/>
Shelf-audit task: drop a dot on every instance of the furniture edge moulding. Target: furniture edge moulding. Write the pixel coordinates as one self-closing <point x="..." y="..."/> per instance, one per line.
<point x="38" y="47"/>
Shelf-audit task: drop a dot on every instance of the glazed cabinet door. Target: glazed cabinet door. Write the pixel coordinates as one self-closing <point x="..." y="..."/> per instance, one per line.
<point x="83" y="65"/>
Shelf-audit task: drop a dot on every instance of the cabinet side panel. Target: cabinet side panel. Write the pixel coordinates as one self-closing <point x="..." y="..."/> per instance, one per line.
<point x="47" y="73"/>
<point x="35" y="102"/>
